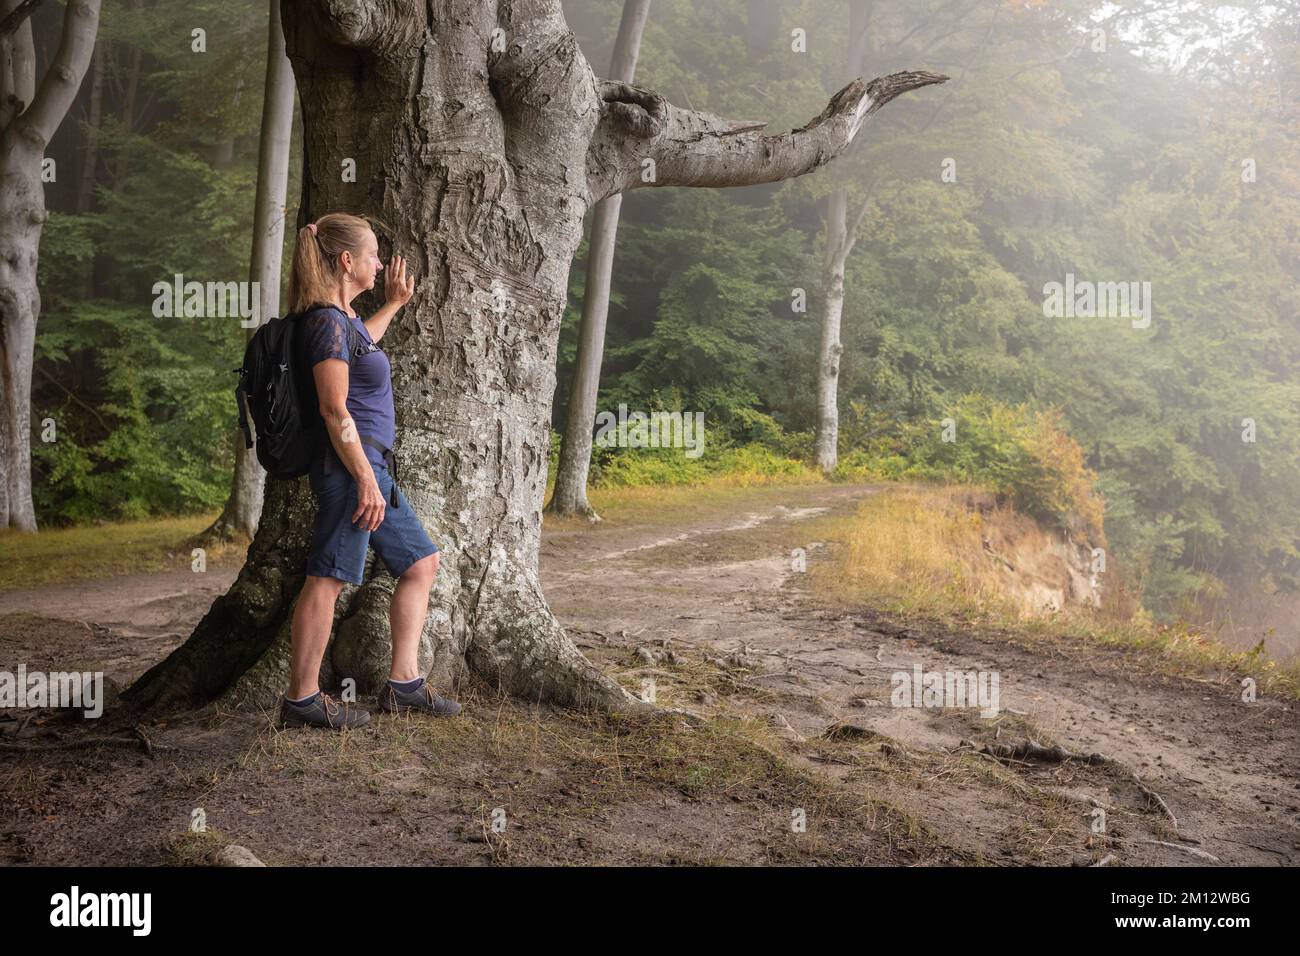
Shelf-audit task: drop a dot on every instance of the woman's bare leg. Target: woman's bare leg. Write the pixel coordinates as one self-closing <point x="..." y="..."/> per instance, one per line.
<point x="409" y="608"/>
<point x="313" y="616"/>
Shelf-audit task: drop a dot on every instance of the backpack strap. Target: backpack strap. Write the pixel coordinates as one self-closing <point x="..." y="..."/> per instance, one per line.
<point x="241" y="401"/>
<point x="327" y="465"/>
<point x="354" y="339"/>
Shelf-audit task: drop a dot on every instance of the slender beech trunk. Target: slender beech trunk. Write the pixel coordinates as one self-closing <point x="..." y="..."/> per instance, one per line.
<point x="828" y="356"/>
<point x="570" y="496"/>
<point x="94" y="117"/>
<point x="90" y="161"/>
<point x="244" y="506"/>
<point x="129" y="90"/>
<point x="839" y="243"/>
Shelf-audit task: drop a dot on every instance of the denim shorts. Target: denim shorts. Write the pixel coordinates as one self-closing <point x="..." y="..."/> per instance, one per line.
<point x="338" y="547"/>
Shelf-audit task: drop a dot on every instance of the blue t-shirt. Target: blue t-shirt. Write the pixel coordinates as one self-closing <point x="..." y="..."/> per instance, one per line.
<point x="370" y="377"/>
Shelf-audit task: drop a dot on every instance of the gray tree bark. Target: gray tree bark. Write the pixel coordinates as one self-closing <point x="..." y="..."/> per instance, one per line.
<point x="29" y="118"/>
<point x="570" y="494"/>
<point x="839" y="243"/>
<point x="484" y="150"/>
<point x="244" y="506"/>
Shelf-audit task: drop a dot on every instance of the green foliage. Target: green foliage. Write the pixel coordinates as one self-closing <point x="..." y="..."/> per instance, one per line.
<point x="134" y="415"/>
<point x="748" y="463"/>
<point x="1016" y="451"/>
<point x="157" y="440"/>
<point x="1109" y="164"/>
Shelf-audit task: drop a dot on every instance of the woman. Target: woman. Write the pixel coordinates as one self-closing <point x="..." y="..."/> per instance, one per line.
<point x="336" y="259"/>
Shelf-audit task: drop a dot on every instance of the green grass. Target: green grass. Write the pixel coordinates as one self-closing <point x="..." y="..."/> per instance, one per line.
<point x="59" y="555"/>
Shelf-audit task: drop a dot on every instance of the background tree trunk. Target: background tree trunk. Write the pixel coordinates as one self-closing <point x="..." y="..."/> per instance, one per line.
<point x="89" y="162"/>
<point x="29" y="124"/>
<point x="94" y="114"/>
<point x="481" y="135"/>
<point x="839" y="242"/>
<point x="103" y="265"/>
<point x="570" y="495"/>
<point x="244" y="506"/>
<point x="828" y="355"/>
<point x="222" y="153"/>
<point x="128" y="90"/>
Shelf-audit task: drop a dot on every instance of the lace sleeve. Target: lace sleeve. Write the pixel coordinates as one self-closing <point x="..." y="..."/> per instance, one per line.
<point x="326" y="333"/>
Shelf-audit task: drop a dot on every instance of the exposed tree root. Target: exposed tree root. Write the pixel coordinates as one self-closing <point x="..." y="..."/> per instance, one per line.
<point x="1033" y="750"/>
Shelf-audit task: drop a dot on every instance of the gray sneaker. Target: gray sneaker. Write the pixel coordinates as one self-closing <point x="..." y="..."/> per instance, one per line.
<point x="424" y="699"/>
<point x="324" y="711"/>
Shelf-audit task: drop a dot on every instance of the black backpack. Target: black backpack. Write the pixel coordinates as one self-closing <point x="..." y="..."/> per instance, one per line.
<point x="280" y="395"/>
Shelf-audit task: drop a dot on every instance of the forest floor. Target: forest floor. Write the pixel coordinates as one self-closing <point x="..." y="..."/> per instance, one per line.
<point x="799" y="758"/>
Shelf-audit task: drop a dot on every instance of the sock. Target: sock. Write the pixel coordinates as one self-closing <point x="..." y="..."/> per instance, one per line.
<point x="303" y="701"/>
<point x="406" y="686"/>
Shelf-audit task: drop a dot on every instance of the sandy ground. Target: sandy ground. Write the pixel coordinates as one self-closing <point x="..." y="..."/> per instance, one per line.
<point x="799" y="758"/>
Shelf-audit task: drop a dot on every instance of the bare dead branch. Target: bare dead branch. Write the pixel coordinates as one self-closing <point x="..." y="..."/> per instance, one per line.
<point x="694" y="148"/>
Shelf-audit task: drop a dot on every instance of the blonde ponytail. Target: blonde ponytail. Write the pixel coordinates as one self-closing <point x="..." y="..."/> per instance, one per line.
<point x="316" y="274"/>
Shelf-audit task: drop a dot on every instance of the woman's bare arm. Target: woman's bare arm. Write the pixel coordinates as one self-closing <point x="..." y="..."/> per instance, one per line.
<point x="331" y="377"/>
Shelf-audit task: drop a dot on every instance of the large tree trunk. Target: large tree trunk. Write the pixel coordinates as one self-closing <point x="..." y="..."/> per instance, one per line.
<point x="570" y="495"/>
<point x="839" y="242"/>
<point x="483" y="156"/>
<point x="29" y="122"/>
<point x="244" y="506"/>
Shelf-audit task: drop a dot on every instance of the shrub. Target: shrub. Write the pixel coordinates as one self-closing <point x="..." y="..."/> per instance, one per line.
<point x="1017" y="451"/>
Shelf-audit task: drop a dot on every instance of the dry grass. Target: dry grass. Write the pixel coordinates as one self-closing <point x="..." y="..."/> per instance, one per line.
<point x="917" y="551"/>
<point x="672" y="505"/>
<point x="193" y="847"/>
<point x="917" y="547"/>
<point x="557" y="773"/>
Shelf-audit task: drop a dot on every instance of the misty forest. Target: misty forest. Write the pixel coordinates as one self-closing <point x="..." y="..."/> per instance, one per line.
<point x="762" y="356"/>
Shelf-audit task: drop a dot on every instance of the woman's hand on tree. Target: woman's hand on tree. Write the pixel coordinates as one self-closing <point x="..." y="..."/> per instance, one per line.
<point x="398" y="286"/>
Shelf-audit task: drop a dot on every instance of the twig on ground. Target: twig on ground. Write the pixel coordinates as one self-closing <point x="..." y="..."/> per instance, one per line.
<point x="1194" y="851"/>
<point x="137" y="739"/>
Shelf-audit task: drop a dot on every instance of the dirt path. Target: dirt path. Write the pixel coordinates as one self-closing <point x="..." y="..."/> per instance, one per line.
<point x="713" y="613"/>
<point x="1229" y="771"/>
